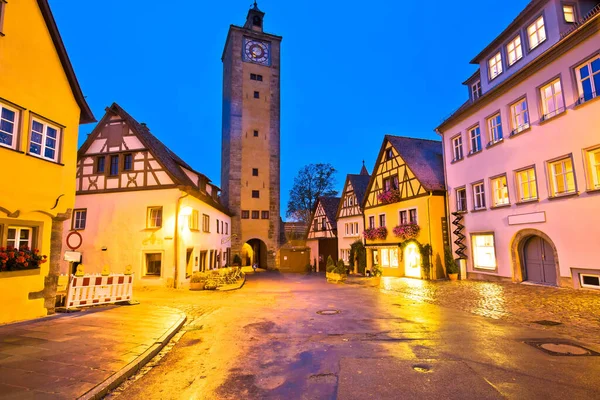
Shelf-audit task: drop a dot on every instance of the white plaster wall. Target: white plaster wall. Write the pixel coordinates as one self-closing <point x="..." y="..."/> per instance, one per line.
<point x="345" y="241"/>
<point x="572" y="223"/>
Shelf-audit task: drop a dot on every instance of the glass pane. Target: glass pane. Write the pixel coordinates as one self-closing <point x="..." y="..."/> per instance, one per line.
<point x="12" y="233"/>
<point x="587" y="89"/>
<point x="596" y="65"/>
<point x="5" y="139"/>
<point x="36" y="138"/>
<point x="24" y="234"/>
<point x="49" y="153"/>
<point x="36" y="126"/>
<point x="6" y="126"/>
<point x="8" y="114"/>
<point x="570" y="182"/>
<point x="51" y="132"/>
<point x="35" y="149"/>
<point x="597" y="84"/>
<point x="584" y="72"/>
<point x="50" y="142"/>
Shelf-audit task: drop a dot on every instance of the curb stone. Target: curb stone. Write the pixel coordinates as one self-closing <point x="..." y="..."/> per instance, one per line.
<point x="102" y="389"/>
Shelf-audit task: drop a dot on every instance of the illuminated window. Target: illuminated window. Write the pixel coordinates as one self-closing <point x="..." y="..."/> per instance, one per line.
<point x="499" y="191"/>
<point x="495" y="65"/>
<point x="457" y="148"/>
<point x="536" y="33"/>
<point x="593" y="165"/>
<point x="476" y="90"/>
<point x="527" y="186"/>
<point x="495" y="128"/>
<point x="552" y="99"/>
<point x="412" y="261"/>
<point x="385" y="258"/>
<point x="44" y="140"/>
<point x="475" y="136"/>
<point x="479" y="196"/>
<point x="514" y="50"/>
<point x="484" y="254"/>
<point x="394" y="258"/>
<point x="79" y="219"/>
<point x="205" y="223"/>
<point x="19" y="237"/>
<point x="588" y="79"/>
<point x="193" y="220"/>
<point x="562" y="177"/>
<point x="519" y="115"/>
<point x="154" y="217"/>
<point x="569" y="13"/>
<point x="461" y="199"/>
<point x="9" y="118"/>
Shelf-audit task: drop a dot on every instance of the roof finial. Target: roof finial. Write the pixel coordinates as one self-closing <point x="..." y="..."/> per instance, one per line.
<point x="255" y="5"/>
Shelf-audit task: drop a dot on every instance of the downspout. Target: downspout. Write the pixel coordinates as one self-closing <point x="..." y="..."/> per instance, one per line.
<point x="446" y="199"/>
<point x="430" y="255"/>
<point x="176" y="239"/>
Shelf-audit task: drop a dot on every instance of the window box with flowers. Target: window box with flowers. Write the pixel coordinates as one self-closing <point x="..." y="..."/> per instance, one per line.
<point x="376" y="233"/>
<point x="407" y="231"/>
<point x="24" y="258"/>
<point x="389" y="196"/>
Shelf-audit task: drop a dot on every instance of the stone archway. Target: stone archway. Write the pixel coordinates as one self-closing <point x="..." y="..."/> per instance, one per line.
<point x="516" y="253"/>
<point x="258" y="254"/>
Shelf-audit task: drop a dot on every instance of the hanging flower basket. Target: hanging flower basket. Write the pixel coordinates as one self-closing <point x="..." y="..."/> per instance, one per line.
<point x="376" y="233"/>
<point x="12" y="259"/>
<point x="389" y="196"/>
<point x="407" y="231"/>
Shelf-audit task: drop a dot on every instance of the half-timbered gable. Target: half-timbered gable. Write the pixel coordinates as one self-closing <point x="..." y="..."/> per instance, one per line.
<point x="323" y="218"/>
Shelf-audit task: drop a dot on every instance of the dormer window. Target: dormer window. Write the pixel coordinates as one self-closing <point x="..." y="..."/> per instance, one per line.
<point x="476" y="90"/>
<point x="495" y="65"/>
<point x="536" y="33"/>
<point x="514" y="50"/>
<point x="569" y="13"/>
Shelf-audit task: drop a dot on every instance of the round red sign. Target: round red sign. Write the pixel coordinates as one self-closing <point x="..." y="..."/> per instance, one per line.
<point x="74" y="240"/>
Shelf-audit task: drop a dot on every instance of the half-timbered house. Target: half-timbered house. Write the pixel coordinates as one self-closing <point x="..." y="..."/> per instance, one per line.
<point x="138" y="204"/>
<point x="322" y="233"/>
<point x="350" y="221"/>
<point x="404" y="209"/>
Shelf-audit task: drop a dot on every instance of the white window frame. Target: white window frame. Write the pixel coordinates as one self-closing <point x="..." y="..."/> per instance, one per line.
<point x="17" y="238"/>
<point x="146" y="254"/>
<point x="586" y="285"/>
<point x="500" y="195"/>
<point x="384" y="220"/>
<point x="475" y="139"/>
<point x="476" y="90"/>
<point x="570" y="12"/>
<point x="495" y="66"/>
<point x="531" y="184"/>
<point x="514" y="50"/>
<point x="590" y="77"/>
<point x="460" y="207"/>
<point x="555" y="96"/>
<point x="152" y="219"/>
<point x="495" y="128"/>
<point x="372" y="222"/>
<point x="15" y="124"/>
<point x="79" y="223"/>
<point x="537" y="35"/>
<point x="44" y="141"/>
<point x="479" y="196"/>
<point x="519" y="116"/>
<point x="457" y="148"/>
<point x="487" y="251"/>
<point x="593" y="168"/>
<point x="563" y="176"/>
<point x="356" y="232"/>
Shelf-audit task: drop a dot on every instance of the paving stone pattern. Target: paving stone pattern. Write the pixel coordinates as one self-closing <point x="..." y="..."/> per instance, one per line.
<point x="578" y="311"/>
<point x="66" y="355"/>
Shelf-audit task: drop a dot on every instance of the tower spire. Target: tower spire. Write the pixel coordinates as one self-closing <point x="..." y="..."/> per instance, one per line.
<point x="254" y="20"/>
<point x="364" y="170"/>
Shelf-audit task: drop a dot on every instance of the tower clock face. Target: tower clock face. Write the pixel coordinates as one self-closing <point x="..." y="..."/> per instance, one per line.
<point x="257" y="51"/>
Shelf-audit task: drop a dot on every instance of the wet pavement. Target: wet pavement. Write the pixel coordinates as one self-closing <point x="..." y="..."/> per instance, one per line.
<point x="409" y="339"/>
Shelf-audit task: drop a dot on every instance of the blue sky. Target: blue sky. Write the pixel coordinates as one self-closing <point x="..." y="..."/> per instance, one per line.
<point x="352" y="71"/>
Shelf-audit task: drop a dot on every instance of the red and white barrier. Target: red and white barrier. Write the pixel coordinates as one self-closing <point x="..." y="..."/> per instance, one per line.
<point x="91" y="290"/>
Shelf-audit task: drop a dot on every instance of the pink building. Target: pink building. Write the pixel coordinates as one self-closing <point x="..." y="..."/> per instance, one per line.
<point x="522" y="155"/>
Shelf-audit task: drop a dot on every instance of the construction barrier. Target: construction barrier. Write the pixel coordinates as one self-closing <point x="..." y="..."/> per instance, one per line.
<point x="92" y="290"/>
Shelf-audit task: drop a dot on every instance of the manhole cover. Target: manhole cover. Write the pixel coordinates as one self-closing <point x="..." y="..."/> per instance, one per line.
<point x="547" y="323"/>
<point x="328" y="312"/>
<point x="422" y="368"/>
<point x="562" y="349"/>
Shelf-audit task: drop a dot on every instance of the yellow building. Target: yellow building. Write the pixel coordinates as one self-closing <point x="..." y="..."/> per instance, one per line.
<point x="404" y="209"/>
<point x="41" y="108"/>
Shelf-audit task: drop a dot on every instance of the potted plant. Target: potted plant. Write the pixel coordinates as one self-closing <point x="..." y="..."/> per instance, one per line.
<point x="335" y="273"/>
<point x="452" y="267"/>
<point x="197" y="281"/>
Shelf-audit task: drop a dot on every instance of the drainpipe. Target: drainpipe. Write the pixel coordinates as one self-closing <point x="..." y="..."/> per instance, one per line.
<point x="447" y="197"/>
<point x="176" y="239"/>
<point x="429" y="231"/>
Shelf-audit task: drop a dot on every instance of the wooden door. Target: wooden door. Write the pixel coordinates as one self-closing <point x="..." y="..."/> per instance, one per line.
<point x="539" y="260"/>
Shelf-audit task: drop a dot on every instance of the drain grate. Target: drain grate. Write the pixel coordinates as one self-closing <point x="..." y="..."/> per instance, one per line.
<point x="560" y="348"/>
<point x="546" y="322"/>
<point x="328" y="312"/>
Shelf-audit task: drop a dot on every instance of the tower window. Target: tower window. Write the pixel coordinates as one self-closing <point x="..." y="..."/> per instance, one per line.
<point x="265" y="215"/>
<point x="257" y="95"/>
<point x="255" y="194"/>
<point x="254" y="171"/>
<point x="256" y="77"/>
<point x="255" y="133"/>
<point x="257" y="21"/>
<point x="255" y="215"/>
<point x="245" y="214"/>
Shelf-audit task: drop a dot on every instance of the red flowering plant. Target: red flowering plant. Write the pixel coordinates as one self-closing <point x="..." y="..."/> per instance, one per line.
<point x="12" y="259"/>
<point x="407" y="231"/>
<point x="376" y="233"/>
<point x="389" y="196"/>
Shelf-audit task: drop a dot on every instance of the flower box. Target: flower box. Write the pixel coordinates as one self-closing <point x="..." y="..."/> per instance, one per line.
<point x="22" y="259"/>
<point x="376" y="233"/>
<point x="407" y="231"/>
<point x="389" y="196"/>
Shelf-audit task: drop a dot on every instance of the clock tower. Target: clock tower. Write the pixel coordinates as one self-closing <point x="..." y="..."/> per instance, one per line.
<point x="250" y="161"/>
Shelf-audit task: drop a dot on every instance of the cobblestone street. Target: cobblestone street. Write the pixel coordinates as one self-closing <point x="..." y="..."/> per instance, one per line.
<point x="578" y="311"/>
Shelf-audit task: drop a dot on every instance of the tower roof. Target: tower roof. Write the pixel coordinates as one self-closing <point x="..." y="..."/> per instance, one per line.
<point x="363" y="170"/>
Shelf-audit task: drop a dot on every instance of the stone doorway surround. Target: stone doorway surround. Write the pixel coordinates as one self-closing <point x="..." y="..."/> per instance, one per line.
<point x="516" y="253"/>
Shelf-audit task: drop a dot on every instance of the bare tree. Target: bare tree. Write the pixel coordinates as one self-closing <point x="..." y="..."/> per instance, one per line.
<point x="312" y="182"/>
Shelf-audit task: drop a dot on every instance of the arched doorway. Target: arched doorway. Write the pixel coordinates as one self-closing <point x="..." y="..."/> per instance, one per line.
<point x="412" y="261"/>
<point x="538" y="261"/>
<point x="257" y="254"/>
